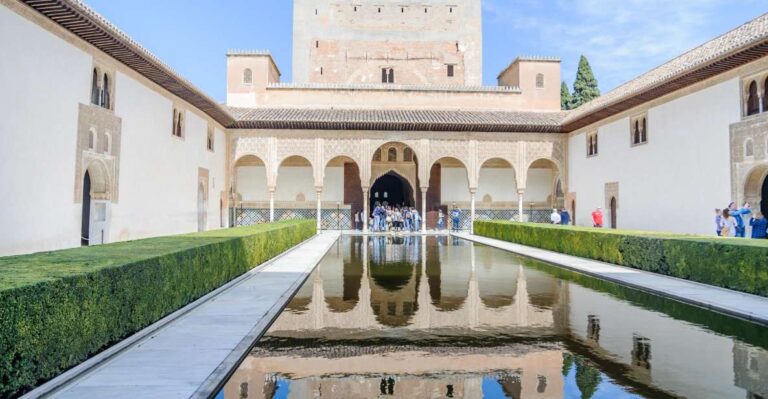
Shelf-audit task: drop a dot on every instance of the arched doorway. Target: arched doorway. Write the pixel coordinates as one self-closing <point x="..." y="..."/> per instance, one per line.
<point x="544" y="190"/>
<point x="201" y="207"/>
<point x="613" y="212"/>
<point x="94" y="222"/>
<point x="85" y="228"/>
<point x="764" y="198"/>
<point x="393" y="189"/>
<point x="496" y="191"/>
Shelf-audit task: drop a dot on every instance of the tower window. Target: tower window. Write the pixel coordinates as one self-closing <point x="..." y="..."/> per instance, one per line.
<point x="402" y="9"/>
<point x="379" y="10"/>
<point x="355" y="9"/>
<point x="248" y="76"/>
<point x="209" y="139"/>
<point x="450" y="71"/>
<point x="539" y="80"/>
<point x="387" y="75"/>
<point x="317" y="43"/>
<point x="450" y="9"/>
<point x="392" y="155"/>
<point x="321" y="70"/>
<point x="95" y="87"/>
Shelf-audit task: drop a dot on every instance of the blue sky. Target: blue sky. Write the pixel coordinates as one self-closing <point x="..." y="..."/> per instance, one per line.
<point x="621" y="38"/>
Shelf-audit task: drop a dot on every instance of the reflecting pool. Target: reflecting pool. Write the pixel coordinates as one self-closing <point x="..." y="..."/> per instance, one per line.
<point x="440" y="317"/>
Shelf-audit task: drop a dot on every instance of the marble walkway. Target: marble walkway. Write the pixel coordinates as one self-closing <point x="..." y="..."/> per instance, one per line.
<point x="190" y="354"/>
<point x="733" y="303"/>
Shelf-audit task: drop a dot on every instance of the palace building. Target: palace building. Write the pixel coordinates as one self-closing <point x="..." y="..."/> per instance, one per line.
<point x="103" y="142"/>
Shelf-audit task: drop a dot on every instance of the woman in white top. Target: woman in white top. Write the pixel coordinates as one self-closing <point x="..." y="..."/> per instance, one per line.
<point x="727" y="224"/>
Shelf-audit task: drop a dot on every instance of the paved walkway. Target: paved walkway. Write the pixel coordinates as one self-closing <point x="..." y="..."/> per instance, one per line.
<point x="734" y="303"/>
<point x="192" y="353"/>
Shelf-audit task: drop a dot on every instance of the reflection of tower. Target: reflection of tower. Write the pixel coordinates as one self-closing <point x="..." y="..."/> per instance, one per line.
<point x="750" y="367"/>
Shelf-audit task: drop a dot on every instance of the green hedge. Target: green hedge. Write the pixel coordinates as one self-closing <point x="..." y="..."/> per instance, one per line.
<point x="58" y="308"/>
<point x="739" y="264"/>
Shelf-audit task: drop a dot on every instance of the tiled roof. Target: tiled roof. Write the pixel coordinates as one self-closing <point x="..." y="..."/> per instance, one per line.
<point x="418" y="120"/>
<point x="744" y="44"/>
<point x="395" y="87"/>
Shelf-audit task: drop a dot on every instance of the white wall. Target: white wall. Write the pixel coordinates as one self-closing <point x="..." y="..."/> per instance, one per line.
<point x="42" y="80"/>
<point x="498" y="182"/>
<point x="674" y="182"/>
<point x="291" y="180"/>
<point x="158" y="171"/>
<point x="43" y="83"/>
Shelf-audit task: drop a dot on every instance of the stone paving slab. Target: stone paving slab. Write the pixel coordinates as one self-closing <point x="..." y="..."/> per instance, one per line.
<point x="190" y="355"/>
<point x="733" y="303"/>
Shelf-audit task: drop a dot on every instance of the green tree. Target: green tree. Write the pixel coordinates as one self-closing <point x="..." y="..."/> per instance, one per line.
<point x="567" y="363"/>
<point x="587" y="378"/>
<point x="585" y="86"/>
<point x="565" y="96"/>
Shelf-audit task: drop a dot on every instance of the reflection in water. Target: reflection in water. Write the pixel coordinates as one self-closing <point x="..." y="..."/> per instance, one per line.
<point x="420" y="317"/>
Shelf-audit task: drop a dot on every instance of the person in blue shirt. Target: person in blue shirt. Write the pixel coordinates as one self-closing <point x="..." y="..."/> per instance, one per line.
<point x="455" y="219"/>
<point x="738" y="214"/>
<point x="565" y="217"/>
<point x="759" y="226"/>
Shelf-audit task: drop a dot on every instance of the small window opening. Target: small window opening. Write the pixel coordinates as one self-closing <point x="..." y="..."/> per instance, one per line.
<point x="450" y="71"/>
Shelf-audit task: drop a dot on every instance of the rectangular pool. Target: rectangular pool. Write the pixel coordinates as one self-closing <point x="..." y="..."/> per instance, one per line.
<point x="437" y="317"/>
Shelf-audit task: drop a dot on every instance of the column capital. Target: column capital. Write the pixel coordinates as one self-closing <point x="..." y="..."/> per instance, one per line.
<point x="520" y="191"/>
<point x="271" y="189"/>
<point x="424" y="188"/>
<point x="319" y="189"/>
<point x="473" y="190"/>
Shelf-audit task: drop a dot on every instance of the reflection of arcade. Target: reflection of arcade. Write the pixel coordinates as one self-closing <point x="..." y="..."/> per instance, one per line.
<point x="436" y="314"/>
<point x="405" y="283"/>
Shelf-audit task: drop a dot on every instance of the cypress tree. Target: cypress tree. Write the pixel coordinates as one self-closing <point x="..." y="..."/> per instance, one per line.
<point x="585" y="87"/>
<point x="565" y="97"/>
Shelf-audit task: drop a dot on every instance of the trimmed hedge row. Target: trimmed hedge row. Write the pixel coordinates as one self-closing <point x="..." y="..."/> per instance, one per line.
<point x="58" y="308"/>
<point x="738" y="264"/>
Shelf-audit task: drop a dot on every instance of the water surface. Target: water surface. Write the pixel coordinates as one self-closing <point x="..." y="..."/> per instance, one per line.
<point x="437" y="317"/>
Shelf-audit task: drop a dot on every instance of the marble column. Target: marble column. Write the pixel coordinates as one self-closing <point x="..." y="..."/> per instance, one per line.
<point x="366" y="211"/>
<point x="520" y="205"/>
<point x="472" y="192"/>
<point x="424" y="209"/>
<point x="271" y="204"/>
<point x="319" y="208"/>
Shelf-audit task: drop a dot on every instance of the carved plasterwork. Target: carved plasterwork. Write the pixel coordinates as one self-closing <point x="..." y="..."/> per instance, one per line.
<point x="98" y="152"/>
<point x="749" y="159"/>
<point x="611" y="191"/>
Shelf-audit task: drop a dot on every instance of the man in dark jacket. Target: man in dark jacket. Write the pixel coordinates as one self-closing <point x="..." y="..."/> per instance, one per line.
<point x="759" y="225"/>
<point x="565" y="217"/>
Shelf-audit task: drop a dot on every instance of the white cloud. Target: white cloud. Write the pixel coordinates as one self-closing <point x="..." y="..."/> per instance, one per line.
<point x="621" y="38"/>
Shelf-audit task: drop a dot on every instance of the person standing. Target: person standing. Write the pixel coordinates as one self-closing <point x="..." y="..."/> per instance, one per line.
<point x="376" y="217"/>
<point x="597" y="218"/>
<point x="738" y="215"/>
<point x="455" y="218"/>
<point x="554" y="217"/>
<point x="727" y="224"/>
<point x="440" y="220"/>
<point x="759" y="225"/>
<point x="416" y="220"/>
<point x="565" y="217"/>
<point x="718" y="221"/>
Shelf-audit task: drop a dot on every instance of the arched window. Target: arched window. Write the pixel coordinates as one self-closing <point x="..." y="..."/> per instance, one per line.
<point x="749" y="148"/>
<point x="408" y="155"/>
<point x="753" y="102"/>
<point x="387" y="75"/>
<point x="377" y="155"/>
<point x="105" y="97"/>
<point x="392" y="155"/>
<point x="92" y="139"/>
<point x="539" y="80"/>
<point x="247" y="76"/>
<point x="636" y="133"/>
<point x="765" y="95"/>
<point x="644" y="132"/>
<point x="95" y="87"/>
<point x="209" y="139"/>
<point x="180" y="124"/>
<point x="104" y="143"/>
<point x="175" y="121"/>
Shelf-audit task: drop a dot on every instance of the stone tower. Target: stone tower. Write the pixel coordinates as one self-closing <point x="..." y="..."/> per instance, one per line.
<point x="409" y="42"/>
